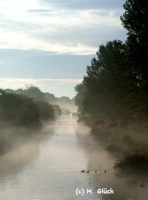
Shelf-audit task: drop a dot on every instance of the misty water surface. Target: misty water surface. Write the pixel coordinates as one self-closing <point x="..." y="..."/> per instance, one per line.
<point x="49" y="168"/>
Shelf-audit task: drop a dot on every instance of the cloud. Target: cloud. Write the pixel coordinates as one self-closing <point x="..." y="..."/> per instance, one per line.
<point x="16" y="40"/>
<point x="37" y="11"/>
<point x="36" y="81"/>
<point x="54" y="39"/>
<point x="80" y="34"/>
<point x="74" y="27"/>
<point x="59" y="87"/>
<point x="2" y="62"/>
<point x="43" y="65"/>
<point x="86" y="4"/>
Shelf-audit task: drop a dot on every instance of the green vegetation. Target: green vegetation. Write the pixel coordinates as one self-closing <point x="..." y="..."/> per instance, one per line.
<point x="22" y="113"/>
<point x="116" y="85"/>
<point x="56" y="103"/>
<point x="46" y="110"/>
<point x="133" y="164"/>
<point x="38" y="98"/>
<point x="26" y="108"/>
<point x="113" y="97"/>
<point x="35" y="93"/>
<point x="18" y="110"/>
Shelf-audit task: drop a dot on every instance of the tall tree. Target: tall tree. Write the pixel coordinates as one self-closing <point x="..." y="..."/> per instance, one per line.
<point x="35" y="93"/>
<point x="103" y="82"/>
<point x="135" y="20"/>
<point x="80" y="89"/>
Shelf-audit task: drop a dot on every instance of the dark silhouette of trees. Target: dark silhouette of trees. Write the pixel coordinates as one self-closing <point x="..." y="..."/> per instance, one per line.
<point x="116" y="84"/>
<point x="35" y="93"/>
<point x="27" y="108"/>
<point x="18" y="110"/>
<point x="99" y="94"/>
<point x="22" y="113"/>
<point x="135" y="20"/>
<point x="46" y="110"/>
<point x="80" y="89"/>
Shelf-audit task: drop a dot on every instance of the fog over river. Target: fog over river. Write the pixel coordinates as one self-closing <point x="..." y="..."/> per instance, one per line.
<point x="49" y="168"/>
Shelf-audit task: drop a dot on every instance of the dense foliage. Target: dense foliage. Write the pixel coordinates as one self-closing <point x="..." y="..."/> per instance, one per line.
<point x="26" y="108"/>
<point x="46" y="110"/>
<point x="39" y="96"/>
<point x="35" y="93"/>
<point x="116" y="84"/>
<point x="19" y="110"/>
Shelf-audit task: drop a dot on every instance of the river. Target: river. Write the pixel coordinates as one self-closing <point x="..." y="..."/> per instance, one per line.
<point x="50" y="168"/>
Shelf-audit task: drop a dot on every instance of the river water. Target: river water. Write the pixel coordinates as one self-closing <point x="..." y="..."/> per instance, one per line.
<point x="50" y="168"/>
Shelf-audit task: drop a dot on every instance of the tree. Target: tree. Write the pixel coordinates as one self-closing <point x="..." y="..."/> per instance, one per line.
<point x="80" y="89"/>
<point x="116" y="84"/>
<point x="18" y="110"/>
<point x="100" y="96"/>
<point x="35" y="93"/>
<point x="46" y="110"/>
<point x="49" y="97"/>
<point x="135" y="20"/>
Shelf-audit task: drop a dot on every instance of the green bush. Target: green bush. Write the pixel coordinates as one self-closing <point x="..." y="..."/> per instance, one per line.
<point x="19" y="110"/>
<point x="46" y="110"/>
<point x="57" y="110"/>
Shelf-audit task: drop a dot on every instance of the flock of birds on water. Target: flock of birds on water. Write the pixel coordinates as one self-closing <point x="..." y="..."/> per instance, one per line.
<point x="88" y="171"/>
<point x="105" y="171"/>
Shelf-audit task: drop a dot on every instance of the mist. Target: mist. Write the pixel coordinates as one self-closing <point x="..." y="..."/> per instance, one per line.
<point x="73" y="100"/>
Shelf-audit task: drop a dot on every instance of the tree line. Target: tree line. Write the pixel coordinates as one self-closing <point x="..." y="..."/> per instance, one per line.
<point x="116" y="84"/>
<point x="26" y="108"/>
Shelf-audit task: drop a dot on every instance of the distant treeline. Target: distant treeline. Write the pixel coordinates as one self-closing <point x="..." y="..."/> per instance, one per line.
<point x="40" y="96"/>
<point x="116" y="84"/>
<point x="65" y="103"/>
<point x="26" y="108"/>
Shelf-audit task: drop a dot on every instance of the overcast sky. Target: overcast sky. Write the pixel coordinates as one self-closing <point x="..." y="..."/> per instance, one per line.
<point x="49" y="43"/>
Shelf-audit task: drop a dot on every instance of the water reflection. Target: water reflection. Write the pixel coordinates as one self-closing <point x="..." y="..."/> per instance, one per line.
<point x="49" y="167"/>
<point x="126" y="184"/>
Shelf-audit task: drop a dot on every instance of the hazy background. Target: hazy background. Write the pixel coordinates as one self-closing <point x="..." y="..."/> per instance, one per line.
<point x="50" y="43"/>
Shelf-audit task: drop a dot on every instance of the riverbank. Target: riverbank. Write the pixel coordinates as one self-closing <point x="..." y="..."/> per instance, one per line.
<point x="129" y="146"/>
<point x="52" y="167"/>
<point x="12" y="137"/>
<point x="128" y="141"/>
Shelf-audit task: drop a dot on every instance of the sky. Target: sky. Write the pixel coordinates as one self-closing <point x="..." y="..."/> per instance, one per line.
<point x="50" y="43"/>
